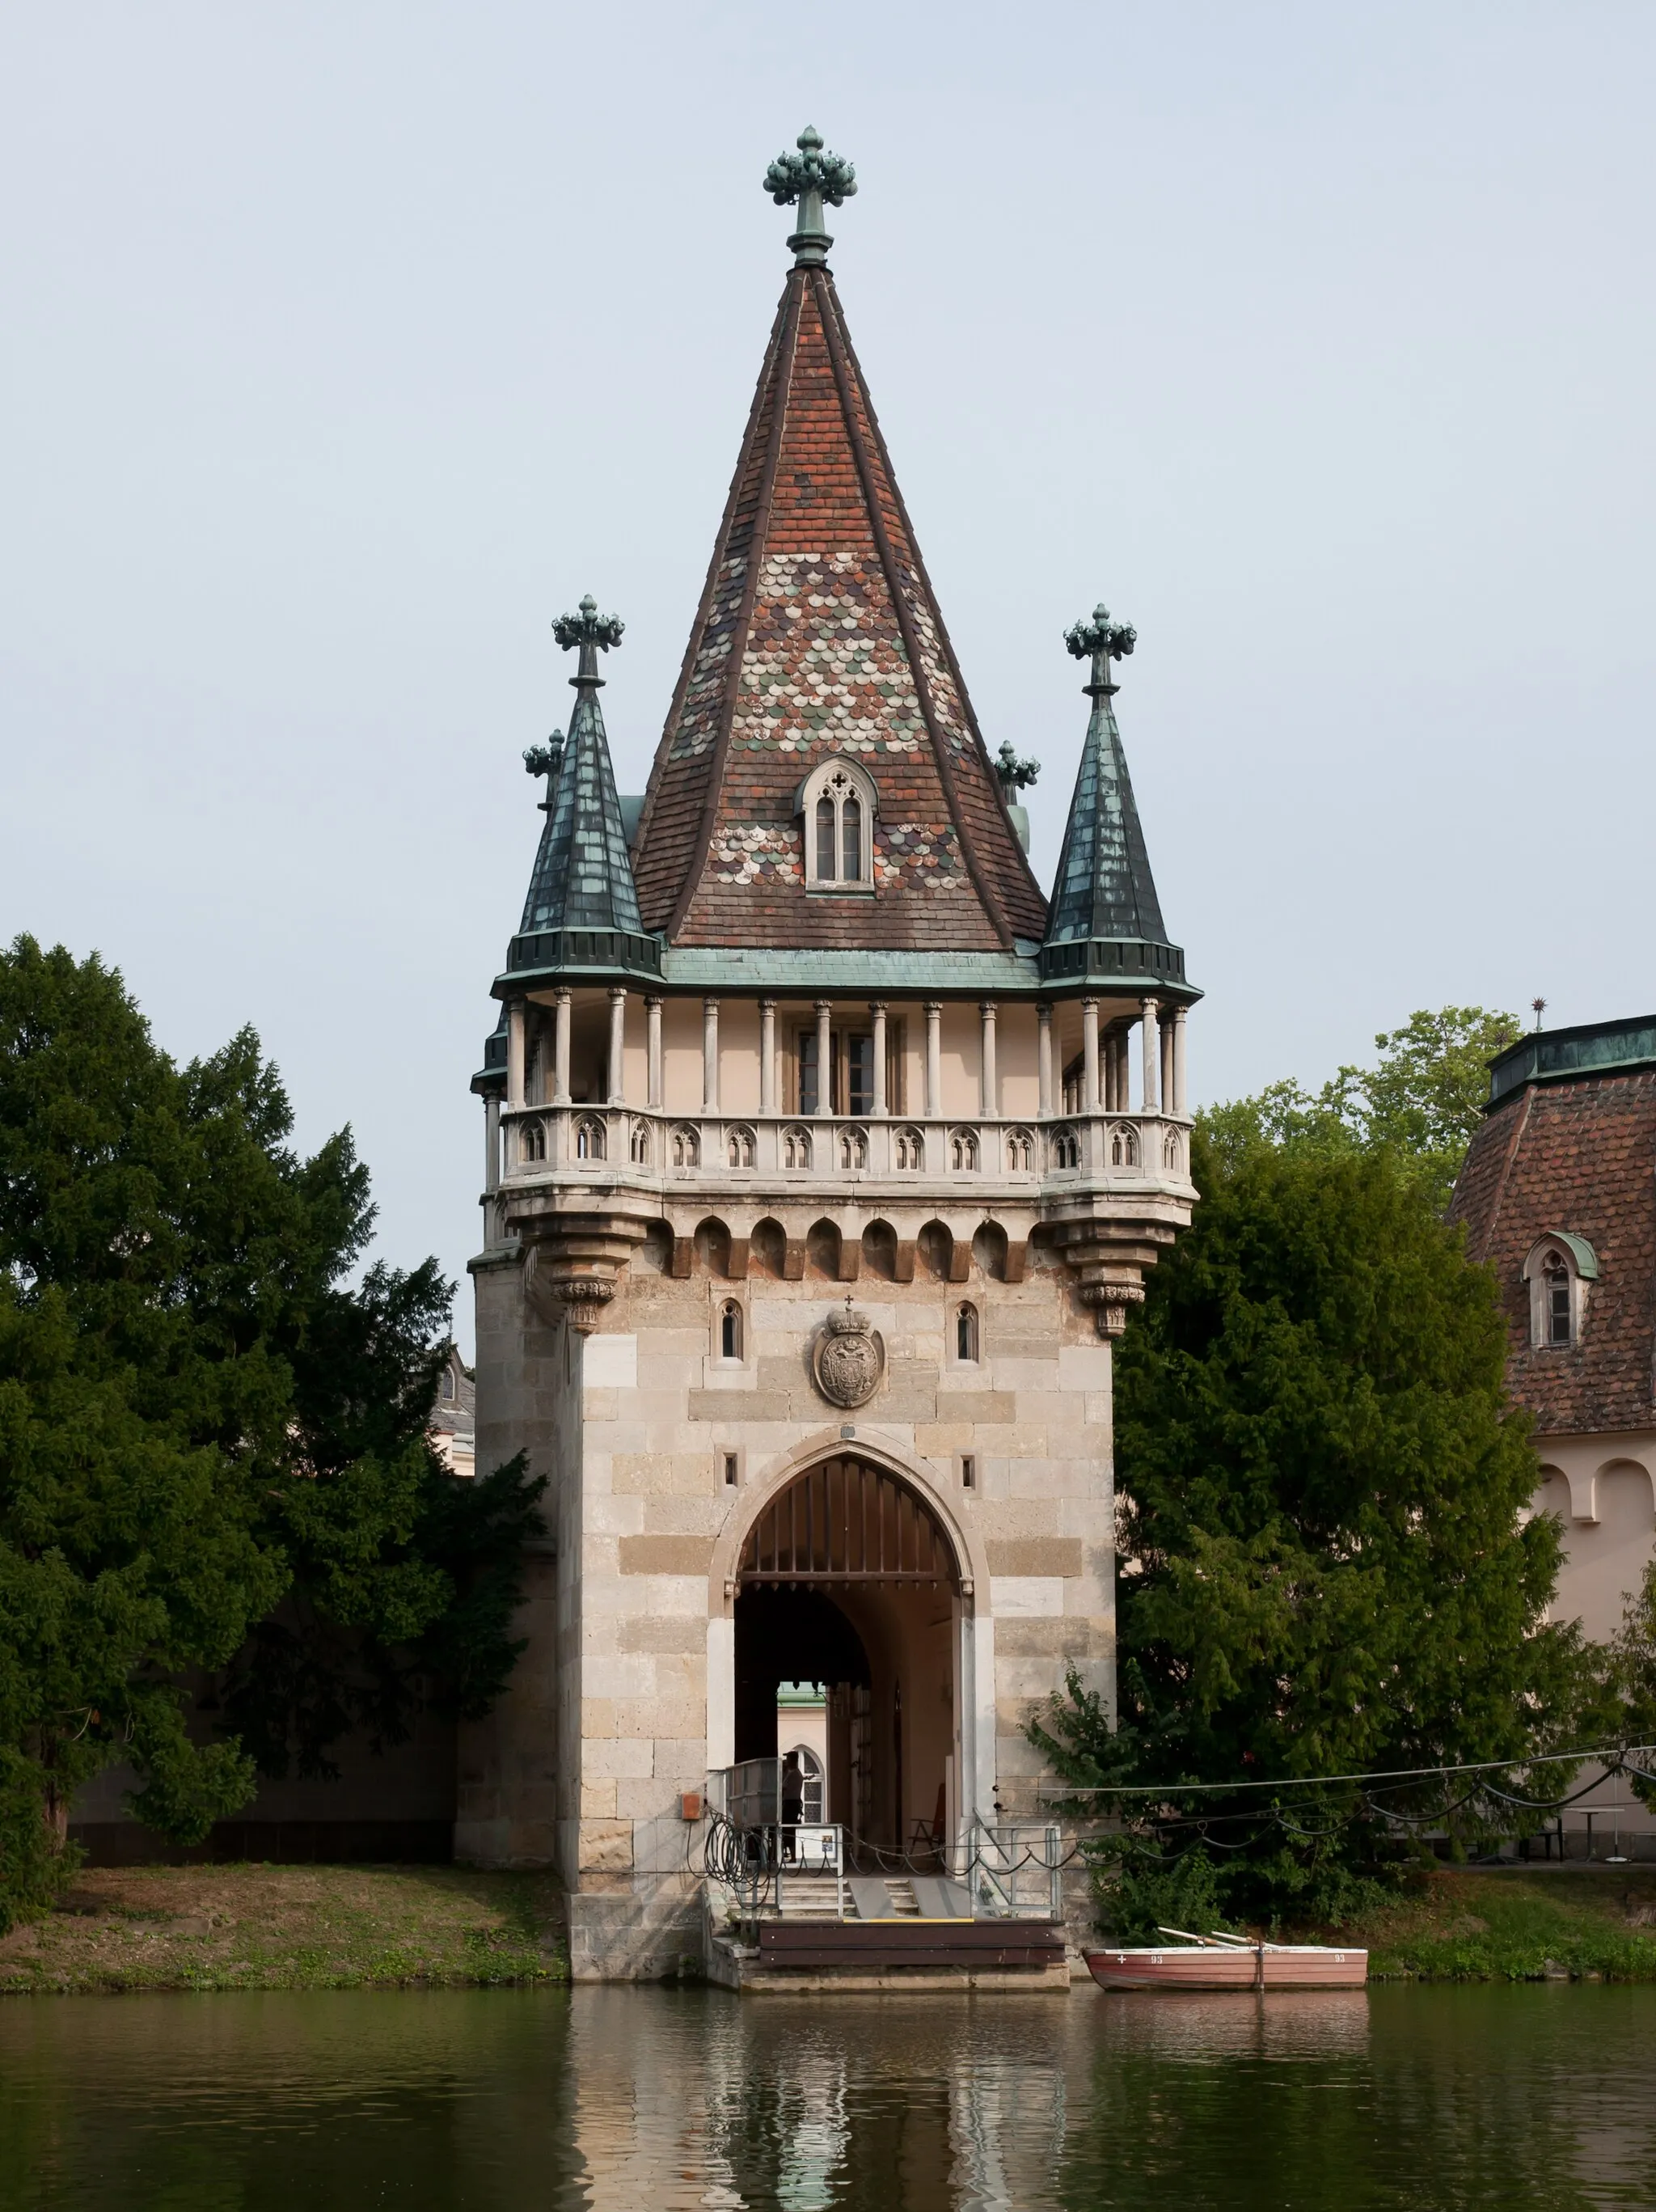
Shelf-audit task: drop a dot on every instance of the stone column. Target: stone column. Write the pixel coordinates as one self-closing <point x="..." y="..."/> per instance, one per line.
<point x="653" y="1034"/>
<point x="1151" y="1052"/>
<point x="1044" y="1056"/>
<point x="767" y="1055"/>
<point x="515" y="1053"/>
<point x="1089" y="1055"/>
<point x="824" y="1056"/>
<point x="491" y="1144"/>
<point x="988" y="1072"/>
<point x="1166" y="1027"/>
<point x="877" y="1008"/>
<point x="561" y="1049"/>
<point x="933" y="1059"/>
<point x="1180" y="1106"/>
<point x="617" y="1045"/>
<point x="710" y="1055"/>
<point x="1115" y="1072"/>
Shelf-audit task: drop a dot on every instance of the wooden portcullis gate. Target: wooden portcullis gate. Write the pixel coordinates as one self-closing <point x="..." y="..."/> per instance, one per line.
<point x="847" y="1522"/>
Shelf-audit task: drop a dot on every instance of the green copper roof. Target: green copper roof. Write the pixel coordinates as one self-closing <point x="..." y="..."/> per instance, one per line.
<point x="582" y="879"/>
<point x="1591" y="1048"/>
<point x="1104" y="896"/>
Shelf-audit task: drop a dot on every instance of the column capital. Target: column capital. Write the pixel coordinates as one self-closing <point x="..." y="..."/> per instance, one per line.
<point x="767" y="1005"/>
<point x="652" y="999"/>
<point x="1043" y="1011"/>
<point x="877" y="1005"/>
<point x="561" y="996"/>
<point x="989" y="1008"/>
<point x="617" y="992"/>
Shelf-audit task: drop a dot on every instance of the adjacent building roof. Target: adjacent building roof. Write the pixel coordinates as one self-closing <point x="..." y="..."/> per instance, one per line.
<point x="819" y="633"/>
<point x="1569" y="1149"/>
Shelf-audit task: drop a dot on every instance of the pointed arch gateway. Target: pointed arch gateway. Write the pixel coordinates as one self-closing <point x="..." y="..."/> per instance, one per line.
<point x="848" y="1577"/>
<point x="847" y="1521"/>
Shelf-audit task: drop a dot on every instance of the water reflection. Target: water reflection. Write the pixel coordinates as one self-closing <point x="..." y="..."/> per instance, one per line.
<point x="618" y="2099"/>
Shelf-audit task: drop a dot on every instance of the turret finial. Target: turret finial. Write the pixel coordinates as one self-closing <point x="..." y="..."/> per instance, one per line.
<point x="546" y="760"/>
<point x="1105" y="641"/>
<point x="593" y="633"/>
<point x="813" y="178"/>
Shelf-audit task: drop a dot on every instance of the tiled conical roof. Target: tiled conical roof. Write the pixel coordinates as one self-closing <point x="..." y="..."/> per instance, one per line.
<point x="1105" y="912"/>
<point x="819" y="635"/>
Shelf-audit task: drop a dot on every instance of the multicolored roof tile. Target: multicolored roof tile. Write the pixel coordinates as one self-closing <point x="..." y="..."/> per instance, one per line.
<point x="819" y="635"/>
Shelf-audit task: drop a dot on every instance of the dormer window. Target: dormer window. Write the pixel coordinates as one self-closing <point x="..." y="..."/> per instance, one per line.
<point x="1558" y="1272"/>
<point x="837" y="803"/>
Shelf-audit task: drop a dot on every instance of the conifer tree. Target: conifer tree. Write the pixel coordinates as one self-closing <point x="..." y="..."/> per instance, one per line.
<point x="208" y="1434"/>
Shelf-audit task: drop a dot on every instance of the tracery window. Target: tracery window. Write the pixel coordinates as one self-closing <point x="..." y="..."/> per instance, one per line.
<point x="686" y="1147"/>
<point x="1066" y="1149"/>
<point x="739" y="1148"/>
<point x="639" y="1145"/>
<point x="532" y="1139"/>
<point x="796" y="1148"/>
<point x="589" y="1139"/>
<point x="1559" y="1270"/>
<point x="963" y="1151"/>
<point x="1020" y="1151"/>
<point x="853" y="1148"/>
<point x="907" y="1150"/>
<point x="837" y="803"/>
<point x="1124" y="1146"/>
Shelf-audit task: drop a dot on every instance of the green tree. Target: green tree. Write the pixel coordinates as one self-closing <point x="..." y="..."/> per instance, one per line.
<point x="1424" y="1098"/>
<point x="1320" y="1481"/>
<point x="207" y="1433"/>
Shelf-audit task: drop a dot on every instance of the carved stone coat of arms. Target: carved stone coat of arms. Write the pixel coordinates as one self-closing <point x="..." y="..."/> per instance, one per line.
<point x="848" y="1358"/>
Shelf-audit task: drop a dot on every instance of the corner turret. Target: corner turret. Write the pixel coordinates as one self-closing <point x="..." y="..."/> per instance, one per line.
<point x="1105" y="922"/>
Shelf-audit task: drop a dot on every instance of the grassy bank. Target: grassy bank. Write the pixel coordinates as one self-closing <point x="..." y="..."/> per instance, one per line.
<point x="1465" y="1925"/>
<point x="287" y="1928"/>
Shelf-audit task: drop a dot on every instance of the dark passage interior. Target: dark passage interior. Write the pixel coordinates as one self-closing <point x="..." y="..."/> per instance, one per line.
<point x="848" y="1580"/>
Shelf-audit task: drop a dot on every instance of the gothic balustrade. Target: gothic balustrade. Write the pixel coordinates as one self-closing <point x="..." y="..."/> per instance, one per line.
<point x="631" y="1144"/>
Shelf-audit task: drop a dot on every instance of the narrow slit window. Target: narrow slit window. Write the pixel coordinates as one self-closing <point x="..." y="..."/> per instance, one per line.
<point x="966" y="1333"/>
<point x="968" y="1471"/>
<point x="1558" y="1303"/>
<point x="729" y="1331"/>
<point x="729" y="1468"/>
<point x="852" y="816"/>
<point x="826" y="870"/>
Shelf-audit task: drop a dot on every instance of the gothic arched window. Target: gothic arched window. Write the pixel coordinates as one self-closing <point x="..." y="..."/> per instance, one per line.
<point x="966" y="1332"/>
<point x="838" y="804"/>
<point x="730" y="1330"/>
<point x="589" y="1139"/>
<point x="1559" y="1272"/>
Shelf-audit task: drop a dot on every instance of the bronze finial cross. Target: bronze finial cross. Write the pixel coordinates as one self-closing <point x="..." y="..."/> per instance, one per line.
<point x="1105" y="641"/>
<point x="812" y="178"/>
<point x="593" y="633"/>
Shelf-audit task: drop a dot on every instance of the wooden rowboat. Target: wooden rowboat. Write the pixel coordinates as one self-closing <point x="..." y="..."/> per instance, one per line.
<point x="1228" y="1962"/>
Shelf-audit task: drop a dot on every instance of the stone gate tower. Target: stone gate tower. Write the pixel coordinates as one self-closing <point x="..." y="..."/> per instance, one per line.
<point x="824" y="1159"/>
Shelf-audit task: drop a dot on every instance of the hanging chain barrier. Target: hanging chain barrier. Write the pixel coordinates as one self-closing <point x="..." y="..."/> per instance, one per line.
<point x="751" y="1850"/>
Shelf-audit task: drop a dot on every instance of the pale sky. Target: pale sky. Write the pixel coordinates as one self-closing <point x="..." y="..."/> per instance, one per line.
<point x="347" y="345"/>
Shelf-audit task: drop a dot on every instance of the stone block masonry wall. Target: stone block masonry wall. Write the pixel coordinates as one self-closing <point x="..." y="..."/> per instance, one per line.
<point x="624" y="1696"/>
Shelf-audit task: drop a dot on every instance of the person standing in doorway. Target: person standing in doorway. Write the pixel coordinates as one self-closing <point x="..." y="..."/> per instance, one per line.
<point x="793" y="1801"/>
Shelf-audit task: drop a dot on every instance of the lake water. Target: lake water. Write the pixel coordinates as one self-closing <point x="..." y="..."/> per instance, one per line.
<point x="629" y="2098"/>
